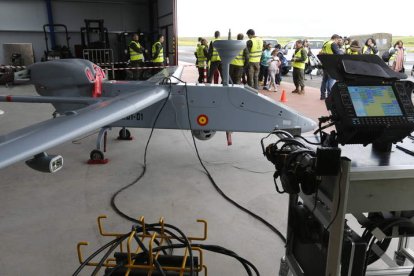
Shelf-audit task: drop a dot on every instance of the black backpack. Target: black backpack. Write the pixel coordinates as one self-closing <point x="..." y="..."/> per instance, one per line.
<point x="386" y="56"/>
<point x="283" y="61"/>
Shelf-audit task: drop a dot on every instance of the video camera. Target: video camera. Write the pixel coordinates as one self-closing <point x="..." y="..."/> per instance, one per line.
<point x="299" y="165"/>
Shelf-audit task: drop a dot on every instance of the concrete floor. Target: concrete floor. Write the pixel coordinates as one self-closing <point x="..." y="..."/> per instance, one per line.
<point x="44" y="216"/>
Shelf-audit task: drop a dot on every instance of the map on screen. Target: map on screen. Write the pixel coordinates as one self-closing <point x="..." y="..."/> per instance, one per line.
<point x="374" y="101"/>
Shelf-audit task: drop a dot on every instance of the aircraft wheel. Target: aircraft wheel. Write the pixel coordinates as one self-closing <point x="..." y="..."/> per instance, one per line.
<point x="96" y="155"/>
<point x="124" y="134"/>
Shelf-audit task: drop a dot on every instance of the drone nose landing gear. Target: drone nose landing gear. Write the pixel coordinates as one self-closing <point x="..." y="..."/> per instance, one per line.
<point x="125" y="134"/>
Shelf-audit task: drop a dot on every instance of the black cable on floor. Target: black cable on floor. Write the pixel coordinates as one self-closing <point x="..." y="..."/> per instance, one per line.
<point x="144" y="167"/>
<point x="259" y="218"/>
<point x="122" y="214"/>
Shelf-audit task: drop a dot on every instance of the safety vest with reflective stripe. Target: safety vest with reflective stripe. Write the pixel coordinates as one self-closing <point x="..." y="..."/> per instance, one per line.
<point x="256" y="50"/>
<point x="215" y="55"/>
<point x="160" y="57"/>
<point x="239" y="59"/>
<point x="350" y="52"/>
<point x="346" y="48"/>
<point x="201" y="57"/>
<point x="298" y="64"/>
<point x="327" y="48"/>
<point x="135" y="55"/>
<point x="371" y="52"/>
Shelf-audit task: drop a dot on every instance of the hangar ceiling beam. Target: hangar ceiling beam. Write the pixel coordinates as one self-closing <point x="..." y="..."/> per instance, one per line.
<point x="50" y="20"/>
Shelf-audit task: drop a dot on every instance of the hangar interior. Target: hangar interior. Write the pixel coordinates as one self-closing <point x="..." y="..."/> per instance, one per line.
<point x="22" y="22"/>
<point x="44" y="216"/>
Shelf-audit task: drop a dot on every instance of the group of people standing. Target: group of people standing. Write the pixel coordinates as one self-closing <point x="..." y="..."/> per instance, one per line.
<point x="136" y="56"/>
<point x="339" y="46"/>
<point x="258" y="61"/>
<point x="246" y="65"/>
<point x="270" y="67"/>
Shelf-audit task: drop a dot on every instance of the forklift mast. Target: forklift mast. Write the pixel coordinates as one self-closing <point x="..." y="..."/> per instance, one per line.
<point x="92" y="29"/>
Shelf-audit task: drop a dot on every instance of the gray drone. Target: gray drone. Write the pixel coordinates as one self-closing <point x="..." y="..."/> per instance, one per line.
<point x="84" y="101"/>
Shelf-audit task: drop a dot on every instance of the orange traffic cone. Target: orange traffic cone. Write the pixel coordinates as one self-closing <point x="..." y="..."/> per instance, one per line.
<point x="283" y="98"/>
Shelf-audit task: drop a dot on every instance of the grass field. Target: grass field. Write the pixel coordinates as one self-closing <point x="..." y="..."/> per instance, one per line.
<point x="407" y="40"/>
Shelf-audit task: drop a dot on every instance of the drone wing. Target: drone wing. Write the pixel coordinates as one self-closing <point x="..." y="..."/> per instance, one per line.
<point x="27" y="142"/>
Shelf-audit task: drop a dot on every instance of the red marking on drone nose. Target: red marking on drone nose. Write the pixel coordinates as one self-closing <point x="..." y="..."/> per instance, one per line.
<point x="9" y="98"/>
<point x="89" y="74"/>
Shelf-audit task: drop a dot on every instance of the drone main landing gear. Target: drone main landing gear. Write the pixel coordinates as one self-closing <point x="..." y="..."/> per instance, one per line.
<point x="97" y="156"/>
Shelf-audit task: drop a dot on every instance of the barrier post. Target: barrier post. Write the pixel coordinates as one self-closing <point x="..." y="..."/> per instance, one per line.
<point x="205" y="73"/>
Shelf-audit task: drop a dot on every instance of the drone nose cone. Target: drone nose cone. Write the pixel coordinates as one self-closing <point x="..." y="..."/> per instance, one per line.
<point x="307" y="124"/>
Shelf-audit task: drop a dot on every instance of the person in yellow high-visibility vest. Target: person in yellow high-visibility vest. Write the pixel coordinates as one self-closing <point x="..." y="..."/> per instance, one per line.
<point x="157" y="52"/>
<point x="255" y="48"/>
<point x="215" y="60"/>
<point x="370" y="47"/>
<point x="354" y="48"/>
<point x="198" y="45"/>
<point x="298" y="63"/>
<point x="239" y="63"/>
<point x="330" y="47"/>
<point x="136" y="56"/>
<point x="202" y="54"/>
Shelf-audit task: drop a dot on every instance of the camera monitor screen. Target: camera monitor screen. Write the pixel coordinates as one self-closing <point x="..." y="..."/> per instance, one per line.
<point x="370" y="101"/>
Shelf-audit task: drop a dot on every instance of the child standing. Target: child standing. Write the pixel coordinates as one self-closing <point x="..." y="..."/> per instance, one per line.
<point x="273" y="70"/>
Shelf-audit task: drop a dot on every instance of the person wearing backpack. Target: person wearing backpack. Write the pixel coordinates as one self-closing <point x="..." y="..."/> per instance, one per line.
<point x="397" y="57"/>
<point x="283" y="64"/>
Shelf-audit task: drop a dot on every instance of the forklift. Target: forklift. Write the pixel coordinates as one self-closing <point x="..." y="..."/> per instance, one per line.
<point x="92" y="29"/>
<point x="57" y="51"/>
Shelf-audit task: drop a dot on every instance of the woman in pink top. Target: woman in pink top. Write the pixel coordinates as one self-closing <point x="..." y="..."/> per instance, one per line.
<point x="398" y="57"/>
<point x="273" y="70"/>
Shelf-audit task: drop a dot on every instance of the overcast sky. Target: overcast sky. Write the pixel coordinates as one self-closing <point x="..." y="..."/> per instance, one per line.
<point x="317" y="18"/>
